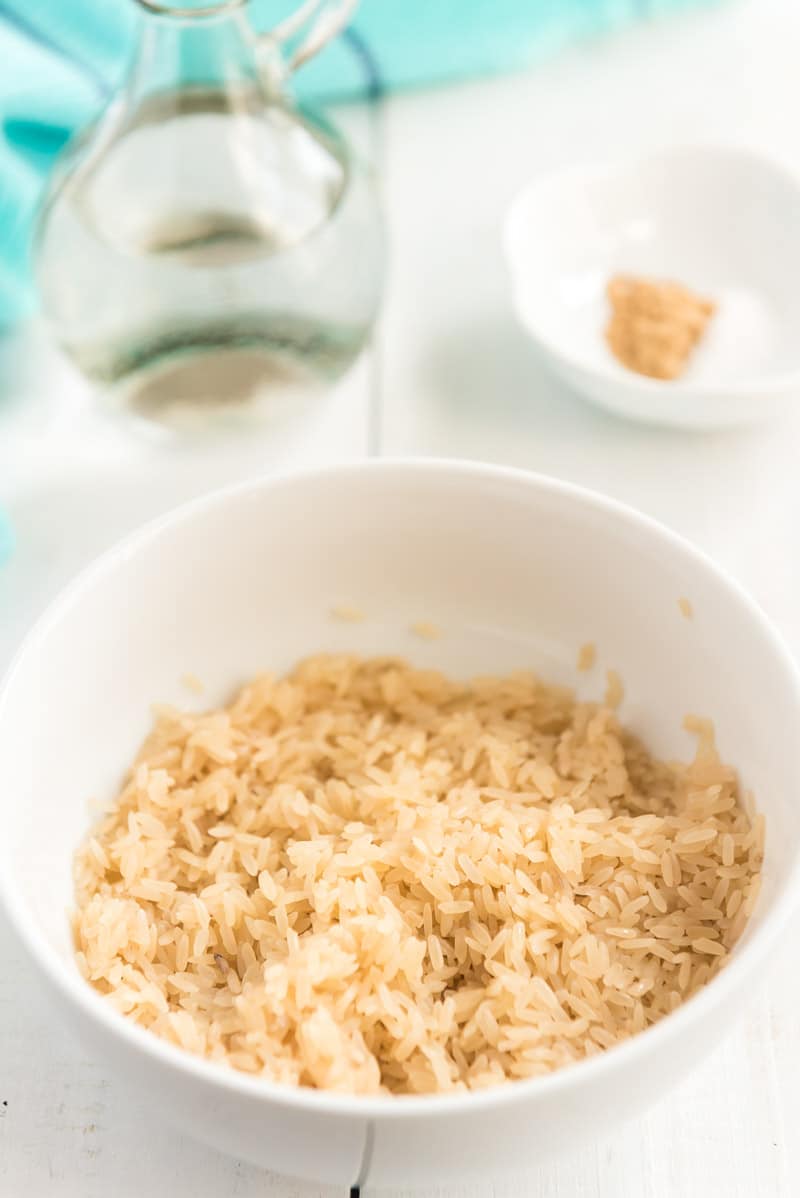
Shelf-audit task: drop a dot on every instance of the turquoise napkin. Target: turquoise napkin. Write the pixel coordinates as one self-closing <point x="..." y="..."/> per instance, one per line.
<point x="62" y="59"/>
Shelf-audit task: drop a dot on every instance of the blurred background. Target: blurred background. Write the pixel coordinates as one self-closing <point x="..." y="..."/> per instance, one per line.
<point x="62" y="63"/>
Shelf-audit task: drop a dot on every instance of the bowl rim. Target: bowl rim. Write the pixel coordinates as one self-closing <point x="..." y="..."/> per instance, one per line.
<point x="629" y="382"/>
<point x="77" y="993"/>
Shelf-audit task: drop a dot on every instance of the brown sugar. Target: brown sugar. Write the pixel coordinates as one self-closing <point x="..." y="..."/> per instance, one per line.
<point x="654" y="325"/>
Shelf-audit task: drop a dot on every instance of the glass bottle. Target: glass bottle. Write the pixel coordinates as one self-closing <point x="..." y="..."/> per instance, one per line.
<point x="206" y="250"/>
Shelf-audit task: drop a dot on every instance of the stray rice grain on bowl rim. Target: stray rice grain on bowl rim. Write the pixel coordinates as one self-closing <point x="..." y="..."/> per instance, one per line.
<point x="369" y="878"/>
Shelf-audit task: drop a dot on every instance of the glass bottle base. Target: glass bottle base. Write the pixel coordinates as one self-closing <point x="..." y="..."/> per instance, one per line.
<point x="220" y="375"/>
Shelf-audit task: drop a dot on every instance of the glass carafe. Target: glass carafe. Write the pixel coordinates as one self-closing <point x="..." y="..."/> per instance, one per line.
<point x="206" y="249"/>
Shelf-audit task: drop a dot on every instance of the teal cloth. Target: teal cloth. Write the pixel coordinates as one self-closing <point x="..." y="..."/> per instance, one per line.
<point x="62" y="59"/>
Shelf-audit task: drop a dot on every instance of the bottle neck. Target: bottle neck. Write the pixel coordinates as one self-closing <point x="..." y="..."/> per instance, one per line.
<point x="183" y="50"/>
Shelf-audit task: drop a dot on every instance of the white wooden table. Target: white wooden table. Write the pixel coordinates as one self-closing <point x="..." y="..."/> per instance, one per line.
<point x="449" y="374"/>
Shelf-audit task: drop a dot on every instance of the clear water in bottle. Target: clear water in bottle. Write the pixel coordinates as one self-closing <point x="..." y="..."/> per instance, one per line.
<point x="207" y="252"/>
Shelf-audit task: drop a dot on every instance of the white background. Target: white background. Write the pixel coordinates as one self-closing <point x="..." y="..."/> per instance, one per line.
<point x="449" y="375"/>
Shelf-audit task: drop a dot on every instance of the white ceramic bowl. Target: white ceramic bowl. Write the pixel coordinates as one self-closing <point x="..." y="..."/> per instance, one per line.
<point x="518" y="571"/>
<point x="724" y="221"/>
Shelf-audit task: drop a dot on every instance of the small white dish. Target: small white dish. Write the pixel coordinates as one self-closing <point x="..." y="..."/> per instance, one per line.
<point x="723" y="221"/>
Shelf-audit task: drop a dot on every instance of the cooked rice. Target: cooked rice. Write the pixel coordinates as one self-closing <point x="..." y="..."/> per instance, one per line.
<point x="365" y="877"/>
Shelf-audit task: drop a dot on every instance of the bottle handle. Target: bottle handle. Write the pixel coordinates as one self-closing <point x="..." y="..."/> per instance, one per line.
<point x="326" y="18"/>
